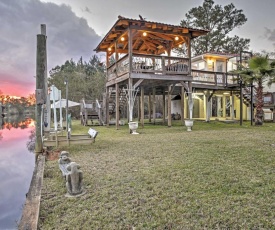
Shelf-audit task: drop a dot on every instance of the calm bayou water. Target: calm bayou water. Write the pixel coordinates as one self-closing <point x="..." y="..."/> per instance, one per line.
<point x="16" y="168"/>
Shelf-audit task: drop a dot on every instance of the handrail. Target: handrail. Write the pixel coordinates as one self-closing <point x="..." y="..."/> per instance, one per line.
<point x="167" y="65"/>
<point x="216" y="78"/>
<point x="98" y="104"/>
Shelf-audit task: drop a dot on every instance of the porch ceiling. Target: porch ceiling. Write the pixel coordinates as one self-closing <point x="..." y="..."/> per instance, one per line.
<point x="159" y="36"/>
<point x="161" y="86"/>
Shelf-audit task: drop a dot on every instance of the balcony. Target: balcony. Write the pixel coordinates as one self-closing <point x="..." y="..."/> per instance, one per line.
<point x="166" y="68"/>
<point x="214" y="78"/>
<point x="149" y="64"/>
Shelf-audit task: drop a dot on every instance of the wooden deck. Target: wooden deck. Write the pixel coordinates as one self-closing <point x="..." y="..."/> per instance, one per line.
<point x="161" y="71"/>
<point x="63" y="141"/>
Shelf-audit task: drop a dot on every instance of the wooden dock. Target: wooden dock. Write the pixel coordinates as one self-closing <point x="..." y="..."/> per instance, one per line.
<point x="58" y="141"/>
<point x="29" y="219"/>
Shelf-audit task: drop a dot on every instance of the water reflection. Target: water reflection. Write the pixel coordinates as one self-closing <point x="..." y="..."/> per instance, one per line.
<point x="16" y="167"/>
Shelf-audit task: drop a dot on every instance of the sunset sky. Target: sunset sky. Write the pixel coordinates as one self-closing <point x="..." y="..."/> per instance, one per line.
<point x="75" y="27"/>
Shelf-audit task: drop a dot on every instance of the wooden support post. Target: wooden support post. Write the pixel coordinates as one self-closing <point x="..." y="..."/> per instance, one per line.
<point x="130" y="98"/>
<point x="139" y="104"/>
<point x="117" y="89"/>
<point x="142" y="106"/>
<point x="169" y="106"/>
<point x="163" y="107"/>
<point x="154" y="106"/>
<point x="150" y="107"/>
<point x="47" y="109"/>
<point x="130" y="81"/>
<point x="208" y="106"/>
<point x="224" y="106"/>
<point x="182" y="105"/>
<point x="117" y="106"/>
<point x="107" y="93"/>
<point x="107" y="107"/>
<point x="190" y="89"/>
<point x="241" y="103"/>
<point x="205" y="105"/>
<point x="189" y="54"/>
<point x="128" y="115"/>
<point x="130" y="50"/>
<point x="232" y="106"/>
<point x="40" y="86"/>
<point x="219" y="106"/>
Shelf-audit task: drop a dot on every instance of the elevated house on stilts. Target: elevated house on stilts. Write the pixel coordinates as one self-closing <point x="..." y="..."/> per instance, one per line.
<point x="143" y="63"/>
<point x="140" y="61"/>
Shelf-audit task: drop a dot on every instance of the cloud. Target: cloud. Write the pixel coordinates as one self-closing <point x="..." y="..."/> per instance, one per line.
<point x="87" y="9"/>
<point x="68" y="36"/>
<point x="270" y="35"/>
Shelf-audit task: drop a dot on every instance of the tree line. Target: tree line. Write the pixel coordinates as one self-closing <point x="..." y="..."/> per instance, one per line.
<point x="17" y="105"/>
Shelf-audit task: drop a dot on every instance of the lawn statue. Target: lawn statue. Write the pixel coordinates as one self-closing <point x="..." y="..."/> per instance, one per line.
<point x="63" y="162"/>
<point x="74" y="180"/>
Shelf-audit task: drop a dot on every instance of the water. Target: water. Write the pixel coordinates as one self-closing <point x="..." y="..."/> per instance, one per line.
<point x="16" y="168"/>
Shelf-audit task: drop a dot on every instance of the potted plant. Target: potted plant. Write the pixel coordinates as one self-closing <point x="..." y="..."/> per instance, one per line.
<point x="133" y="125"/>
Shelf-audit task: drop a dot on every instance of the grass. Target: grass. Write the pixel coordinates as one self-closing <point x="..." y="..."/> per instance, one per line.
<point x="219" y="176"/>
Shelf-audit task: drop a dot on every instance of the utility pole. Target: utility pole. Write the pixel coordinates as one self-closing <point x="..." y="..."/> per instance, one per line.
<point x="39" y="93"/>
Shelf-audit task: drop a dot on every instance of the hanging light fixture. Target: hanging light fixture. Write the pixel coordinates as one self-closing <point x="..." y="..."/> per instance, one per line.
<point x="110" y="48"/>
<point x="180" y="45"/>
<point x="122" y="38"/>
<point x="176" y="38"/>
<point x="144" y="34"/>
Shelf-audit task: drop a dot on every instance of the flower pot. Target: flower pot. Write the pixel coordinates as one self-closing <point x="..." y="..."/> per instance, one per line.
<point x="133" y="125"/>
<point x="189" y="124"/>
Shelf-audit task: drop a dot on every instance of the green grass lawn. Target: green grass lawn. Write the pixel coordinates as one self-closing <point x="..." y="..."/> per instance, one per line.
<point x="219" y="176"/>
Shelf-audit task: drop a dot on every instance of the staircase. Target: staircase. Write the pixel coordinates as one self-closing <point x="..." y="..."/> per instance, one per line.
<point x="112" y="100"/>
<point x="247" y="96"/>
<point x="91" y="110"/>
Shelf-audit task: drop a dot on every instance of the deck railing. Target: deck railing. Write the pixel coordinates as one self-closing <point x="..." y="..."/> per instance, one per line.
<point x="214" y="78"/>
<point x="164" y="65"/>
<point x="119" y="68"/>
<point x="142" y="63"/>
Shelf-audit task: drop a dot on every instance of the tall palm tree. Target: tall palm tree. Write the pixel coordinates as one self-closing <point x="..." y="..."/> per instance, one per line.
<point x="258" y="71"/>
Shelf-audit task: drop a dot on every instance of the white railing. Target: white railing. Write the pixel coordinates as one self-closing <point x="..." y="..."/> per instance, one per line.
<point x="215" y="78"/>
<point x="142" y="63"/>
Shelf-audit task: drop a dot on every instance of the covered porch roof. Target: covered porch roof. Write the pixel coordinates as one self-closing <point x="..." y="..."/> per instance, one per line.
<point x="147" y="37"/>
